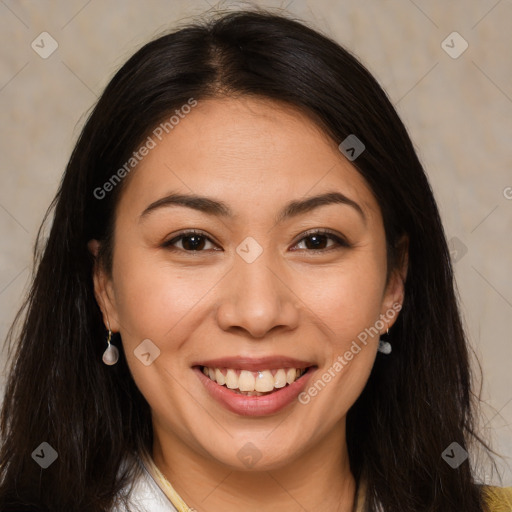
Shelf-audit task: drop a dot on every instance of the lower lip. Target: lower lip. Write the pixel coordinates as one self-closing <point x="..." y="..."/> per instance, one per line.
<point x="255" y="405"/>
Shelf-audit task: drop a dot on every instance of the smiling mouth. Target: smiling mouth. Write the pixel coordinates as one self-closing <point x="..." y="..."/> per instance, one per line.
<point x="257" y="383"/>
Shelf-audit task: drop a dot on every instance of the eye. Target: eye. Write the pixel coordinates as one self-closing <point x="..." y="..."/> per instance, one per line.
<point x="318" y="238"/>
<point x="195" y="241"/>
<point x="190" y="241"/>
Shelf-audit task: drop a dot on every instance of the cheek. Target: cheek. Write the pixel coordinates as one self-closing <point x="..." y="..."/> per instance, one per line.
<point x="347" y="303"/>
<point x="348" y="297"/>
<point x="151" y="298"/>
<point x="154" y="299"/>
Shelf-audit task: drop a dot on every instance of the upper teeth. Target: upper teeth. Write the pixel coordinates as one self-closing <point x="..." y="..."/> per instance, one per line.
<point x="244" y="380"/>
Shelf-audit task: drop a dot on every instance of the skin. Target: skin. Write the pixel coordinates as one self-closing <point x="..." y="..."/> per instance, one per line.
<point x="255" y="155"/>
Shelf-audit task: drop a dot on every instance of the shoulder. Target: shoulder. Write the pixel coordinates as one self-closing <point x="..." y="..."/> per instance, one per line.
<point x="497" y="499"/>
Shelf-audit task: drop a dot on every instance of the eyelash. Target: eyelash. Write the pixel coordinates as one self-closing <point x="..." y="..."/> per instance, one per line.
<point x="342" y="243"/>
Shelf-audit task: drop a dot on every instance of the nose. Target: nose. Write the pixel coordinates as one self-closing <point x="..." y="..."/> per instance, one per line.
<point x="257" y="298"/>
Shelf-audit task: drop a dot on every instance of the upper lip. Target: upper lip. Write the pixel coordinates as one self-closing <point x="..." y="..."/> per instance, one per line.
<point x="255" y="363"/>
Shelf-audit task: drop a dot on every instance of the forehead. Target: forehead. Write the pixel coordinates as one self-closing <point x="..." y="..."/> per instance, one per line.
<point x="254" y="153"/>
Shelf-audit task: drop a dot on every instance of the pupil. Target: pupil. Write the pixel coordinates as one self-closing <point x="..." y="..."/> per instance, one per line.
<point x="196" y="243"/>
<point x="317" y="243"/>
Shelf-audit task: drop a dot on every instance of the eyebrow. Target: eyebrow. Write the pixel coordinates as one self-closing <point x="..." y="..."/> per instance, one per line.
<point x="217" y="208"/>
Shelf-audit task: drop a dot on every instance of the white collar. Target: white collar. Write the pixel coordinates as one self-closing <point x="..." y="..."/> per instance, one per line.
<point x="146" y="495"/>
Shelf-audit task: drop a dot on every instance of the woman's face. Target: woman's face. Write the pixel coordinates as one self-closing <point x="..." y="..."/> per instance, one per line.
<point x="254" y="288"/>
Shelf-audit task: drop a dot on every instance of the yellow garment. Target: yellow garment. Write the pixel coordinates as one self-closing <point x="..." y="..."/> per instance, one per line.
<point x="497" y="499"/>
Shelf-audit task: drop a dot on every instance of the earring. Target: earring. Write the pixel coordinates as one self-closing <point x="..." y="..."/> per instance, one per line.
<point x="384" y="346"/>
<point x="111" y="354"/>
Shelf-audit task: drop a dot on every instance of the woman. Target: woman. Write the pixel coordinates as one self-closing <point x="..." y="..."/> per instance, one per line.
<point x="246" y="300"/>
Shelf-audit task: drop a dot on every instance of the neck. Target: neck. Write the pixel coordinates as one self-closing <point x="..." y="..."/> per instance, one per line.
<point x="318" y="479"/>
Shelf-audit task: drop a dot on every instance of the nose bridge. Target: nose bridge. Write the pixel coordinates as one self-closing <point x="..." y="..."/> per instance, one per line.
<point x="257" y="300"/>
<point x="257" y="278"/>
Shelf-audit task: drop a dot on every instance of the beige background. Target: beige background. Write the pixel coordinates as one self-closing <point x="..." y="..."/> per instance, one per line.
<point x="458" y="112"/>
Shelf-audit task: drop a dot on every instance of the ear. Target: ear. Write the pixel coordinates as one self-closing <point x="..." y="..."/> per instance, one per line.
<point x="395" y="290"/>
<point x="103" y="289"/>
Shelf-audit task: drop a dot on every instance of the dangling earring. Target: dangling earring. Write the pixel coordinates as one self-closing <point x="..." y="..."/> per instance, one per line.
<point x="111" y="354"/>
<point x="384" y="346"/>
